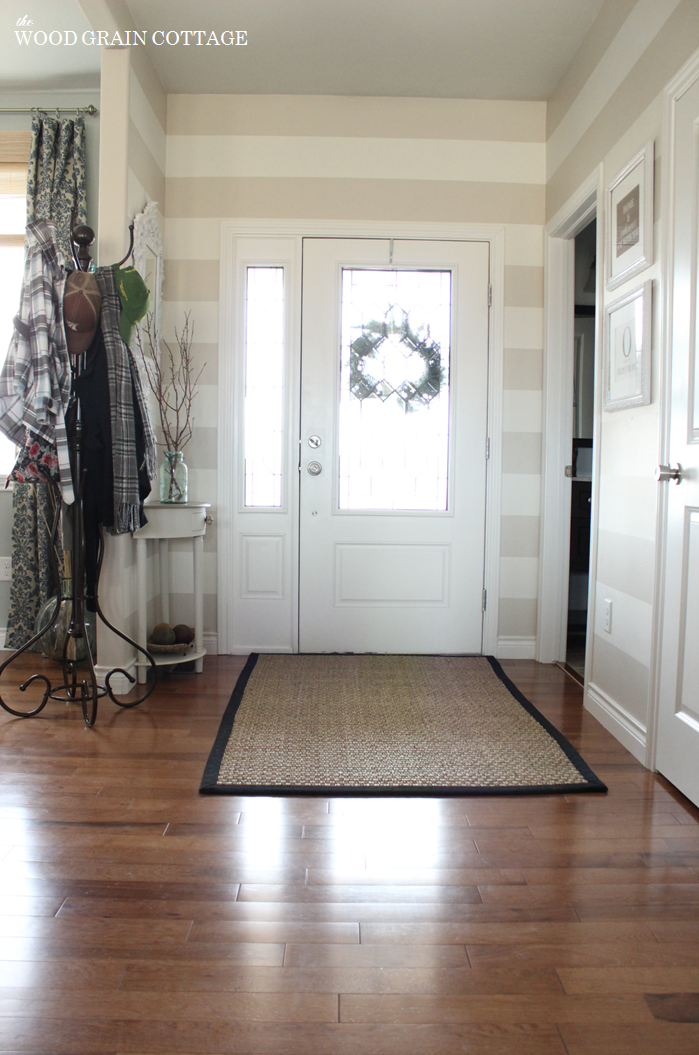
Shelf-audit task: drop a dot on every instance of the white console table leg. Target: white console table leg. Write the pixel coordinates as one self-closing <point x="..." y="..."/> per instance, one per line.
<point x="142" y="571"/>
<point x="198" y="544"/>
<point x="164" y="580"/>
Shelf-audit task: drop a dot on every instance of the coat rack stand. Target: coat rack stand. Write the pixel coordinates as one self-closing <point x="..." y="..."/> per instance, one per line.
<point x="79" y="678"/>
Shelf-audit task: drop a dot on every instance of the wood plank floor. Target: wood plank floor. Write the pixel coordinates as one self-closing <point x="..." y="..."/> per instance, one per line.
<point x="139" y="917"/>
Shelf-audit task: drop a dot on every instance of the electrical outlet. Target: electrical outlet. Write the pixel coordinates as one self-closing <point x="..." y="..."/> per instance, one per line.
<point x="607" y="615"/>
<point x="5" y="569"/>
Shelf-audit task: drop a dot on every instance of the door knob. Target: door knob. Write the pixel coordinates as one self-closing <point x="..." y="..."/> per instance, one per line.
<point x="314" y="468"/>
<point x="663" y="473"/>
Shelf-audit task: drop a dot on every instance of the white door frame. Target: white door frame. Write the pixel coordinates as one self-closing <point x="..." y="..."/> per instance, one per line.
<point x="230" y="350"/>
<point x="559" y="312"/>
<point x="680" y="83"/>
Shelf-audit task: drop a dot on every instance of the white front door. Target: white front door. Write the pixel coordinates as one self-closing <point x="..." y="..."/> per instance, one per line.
<point x="394" y="377"/>
<point x="678" y="719"/>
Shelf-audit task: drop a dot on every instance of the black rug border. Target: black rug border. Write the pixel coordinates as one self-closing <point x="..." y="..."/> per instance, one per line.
<point x="213" y="765"/>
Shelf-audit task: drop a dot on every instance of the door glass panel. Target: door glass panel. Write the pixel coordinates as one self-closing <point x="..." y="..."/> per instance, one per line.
<point x="264" y="386"/>
<point x="394" y="389"/>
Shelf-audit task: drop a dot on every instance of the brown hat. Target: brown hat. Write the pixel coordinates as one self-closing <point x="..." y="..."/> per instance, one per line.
<point x="82" y="302"/>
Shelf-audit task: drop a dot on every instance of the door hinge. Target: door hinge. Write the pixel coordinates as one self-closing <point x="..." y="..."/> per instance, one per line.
<point x="484" y="600"/>
<point x="487" y="448"/>
<point x="490" y="296"/>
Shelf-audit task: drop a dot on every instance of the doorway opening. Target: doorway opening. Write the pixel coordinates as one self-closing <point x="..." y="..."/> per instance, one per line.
<point x="581" y="454"/>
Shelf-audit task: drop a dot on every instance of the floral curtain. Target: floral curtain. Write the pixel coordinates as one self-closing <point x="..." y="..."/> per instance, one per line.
<point x="56" y="176"/>
<point x="33" y="581"/>
<point x="56" y="192"/>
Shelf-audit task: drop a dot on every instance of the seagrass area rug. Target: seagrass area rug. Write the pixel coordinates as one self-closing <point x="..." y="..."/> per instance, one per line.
<point x="387" y="725"/>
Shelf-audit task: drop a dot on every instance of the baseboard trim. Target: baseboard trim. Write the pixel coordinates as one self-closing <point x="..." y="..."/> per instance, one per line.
<point x="118" y="683"/>
<point x="245" y="650"/>
<point x="617" y="721"/>
<point x="516" y="648"/>
<point x="211" y="643"/>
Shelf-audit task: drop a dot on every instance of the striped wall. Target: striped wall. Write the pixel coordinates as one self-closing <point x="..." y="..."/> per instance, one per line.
<point x="606" y="107"/>
<point x="146" y="135"/>
<point x="367" y="159"/>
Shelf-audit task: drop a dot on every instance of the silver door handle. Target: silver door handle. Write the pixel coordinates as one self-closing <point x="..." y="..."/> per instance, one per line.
<point x="663" y="473"/>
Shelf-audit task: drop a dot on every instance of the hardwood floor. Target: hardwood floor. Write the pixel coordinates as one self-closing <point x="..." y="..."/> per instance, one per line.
<point x="137" y="916"/>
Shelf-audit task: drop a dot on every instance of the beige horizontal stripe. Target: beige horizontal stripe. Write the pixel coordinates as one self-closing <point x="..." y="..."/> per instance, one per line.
<point x="521" y="494"/>
<point x="201" y="451"/>
<point x="674" y="44"/>
<point x="524" y="245"/>
<point x="181" y="567"/>
<point x="182" y="608"/>
<point x="626" y="563"/>
<point x="144" y="166"/>
<point x="521" y="411"/>
<point x="634" y="37"/>
<point x="524" y="287"/>
<point x="628" y="503"/>
<point x="523" y="369"/>
<point x="347" y="199"/>
<point x="337" y="157"/>
<point x="521" y="452"/>
<point x="192" y="239"/>
<point x="12" y="240"/>
<point x="621" y="677"/>
<point x="205" y="405"/>
<point x="524" y="327"/>
<point x="517" y="616"/>
<point x="519" y="536"/>
<point x="203" y="485"/>
<point x="150" y="83"/>
<point x="191" y="279"/>
<point x="333" y="115"/>
<point x="203" y="319"/>
<point x="605" y="27"/>
<point x="519" y="576"/>
<point x="145" y="119"/>
<point x="206" y="356"/>
<point x="200" y="239"/>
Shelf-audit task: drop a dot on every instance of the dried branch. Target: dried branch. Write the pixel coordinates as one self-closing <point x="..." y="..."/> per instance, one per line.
<point x="170" y="377"/>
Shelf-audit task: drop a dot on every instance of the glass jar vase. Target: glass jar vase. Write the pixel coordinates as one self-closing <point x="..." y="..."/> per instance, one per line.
<point x="173" y="477"/>
<point x="53" y="642"/>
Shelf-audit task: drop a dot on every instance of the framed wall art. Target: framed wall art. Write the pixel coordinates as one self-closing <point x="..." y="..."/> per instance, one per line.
<point x="629" y="201"/>
<point x="627" y="335"/>
<point x="148" y="261"/>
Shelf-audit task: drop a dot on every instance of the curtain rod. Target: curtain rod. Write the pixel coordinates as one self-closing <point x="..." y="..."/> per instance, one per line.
<point x="91" y="110"/>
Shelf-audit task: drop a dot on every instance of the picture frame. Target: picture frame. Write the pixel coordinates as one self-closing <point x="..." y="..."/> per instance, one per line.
<point x="148" y="261"/>
<point x="627" y="349"/>
<point x="629" y="209"/>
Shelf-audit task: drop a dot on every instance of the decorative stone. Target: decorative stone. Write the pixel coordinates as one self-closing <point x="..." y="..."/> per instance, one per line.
<point x="183" y="634"/>
<point x="163" y="634"/>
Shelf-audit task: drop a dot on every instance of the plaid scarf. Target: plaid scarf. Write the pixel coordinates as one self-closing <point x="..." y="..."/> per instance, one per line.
<point x="124" y="381"/>
<point x="35" y="380"/>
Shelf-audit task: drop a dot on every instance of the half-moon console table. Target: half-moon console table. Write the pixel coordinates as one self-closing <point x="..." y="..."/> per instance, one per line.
<point x="166" y="521"/>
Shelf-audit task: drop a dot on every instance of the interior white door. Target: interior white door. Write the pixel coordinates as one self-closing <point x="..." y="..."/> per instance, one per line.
<point x="678" y="719"/>
<point x="394" y="353"/>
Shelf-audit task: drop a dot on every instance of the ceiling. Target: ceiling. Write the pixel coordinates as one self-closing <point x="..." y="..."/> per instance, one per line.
<point x="24" y="68"/>
<point x="493" y="49"/>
